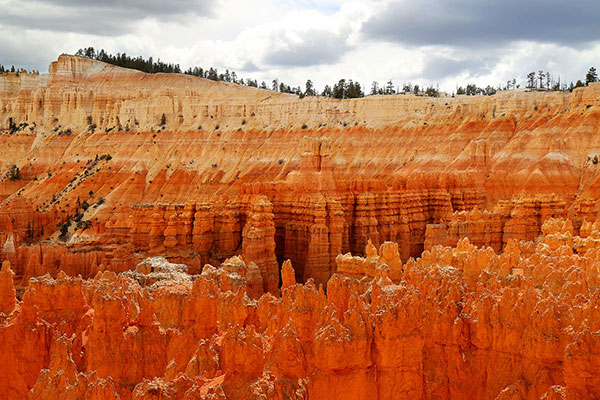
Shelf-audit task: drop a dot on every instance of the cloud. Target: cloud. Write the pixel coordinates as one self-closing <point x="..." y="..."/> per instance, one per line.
<point x="424" y="42"/>
<point x="105" y="18"/>
<point x="25" y="50"/>
<point x="250" y="67"/>
<point x="315" y="47"/>
<point x="142" y="7"/>
<point x="476" y="23"/>
<point x="437" y="68"/>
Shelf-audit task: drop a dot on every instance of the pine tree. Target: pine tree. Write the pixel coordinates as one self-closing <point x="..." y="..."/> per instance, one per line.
<point x="354" y="90"/>
<point x="432" y="92"/>
<point x="389" y="88"/>
<point x="212" y="74"/>
<point x="591" y="76"/>
<point x="339" y="89"/>
<point x="374" y="87"/>
<point x="541" y="77"/>
<point x="531" y="80"/>
<point x="310" y="89"/>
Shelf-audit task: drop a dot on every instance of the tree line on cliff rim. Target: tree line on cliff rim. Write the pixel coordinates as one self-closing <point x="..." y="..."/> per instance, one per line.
<point x="343" y="89"/>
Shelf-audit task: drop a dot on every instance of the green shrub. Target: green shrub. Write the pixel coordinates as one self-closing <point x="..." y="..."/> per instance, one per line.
<point x="14" y="173"/>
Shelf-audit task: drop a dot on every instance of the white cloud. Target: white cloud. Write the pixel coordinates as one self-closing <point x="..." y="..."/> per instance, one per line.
<point x="292" y="40"/>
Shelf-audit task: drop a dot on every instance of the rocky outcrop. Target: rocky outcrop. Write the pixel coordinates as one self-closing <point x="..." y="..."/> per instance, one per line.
<point x="104" y="183"/>
<point x="520" y="219"/>
<point x="258" y="243"/>
<point x="7" y="290"/>
<point x="383" y="264"/>
<point x="457" y="323"/>
<point x="430" y="248"/>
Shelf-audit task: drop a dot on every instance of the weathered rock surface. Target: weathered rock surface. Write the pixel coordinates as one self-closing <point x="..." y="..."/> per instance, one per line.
<point x="104" y="184"/>
<point x="441" y="248"/>
<point x="457" y="323"/>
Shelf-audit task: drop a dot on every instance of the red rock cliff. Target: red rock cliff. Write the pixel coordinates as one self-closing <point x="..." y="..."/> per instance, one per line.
<point x="457" y="323"/>
<point x="101" y="173"/>
<point x="92" y="182"/>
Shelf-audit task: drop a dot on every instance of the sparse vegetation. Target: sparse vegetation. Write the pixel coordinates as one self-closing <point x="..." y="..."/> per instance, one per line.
<point x="14" y="173"/>
<point x="474" y="90"/>
<point x="343" y="89"/>
<point x="591" y="76"/>
<point x="83" y="225"/>
<point x="64" y="229"/>
<point x="12" y="69"/>
<point x="12" y="127"/>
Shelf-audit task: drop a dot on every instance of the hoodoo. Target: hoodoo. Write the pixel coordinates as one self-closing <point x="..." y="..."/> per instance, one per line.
<point x="170" y="237"/>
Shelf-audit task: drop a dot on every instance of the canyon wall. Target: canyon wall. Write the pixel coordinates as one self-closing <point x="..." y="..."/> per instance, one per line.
<point x="457" y="323"/>
<point x="384" y="247"/>
<point x="103" y="183"/>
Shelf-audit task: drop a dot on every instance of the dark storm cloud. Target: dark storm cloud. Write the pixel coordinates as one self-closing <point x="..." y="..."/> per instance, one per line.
<point x="142" y="7"/>
<point x="468" y="23"/>
<point x="107" y="18"/>
<point x="437" y="68"/>
<point x="316" y="48"/>
<point x="34" y="56"/>
<point x="250" y="67"/>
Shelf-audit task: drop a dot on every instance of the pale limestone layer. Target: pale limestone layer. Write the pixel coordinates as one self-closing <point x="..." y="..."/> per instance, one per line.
<point x="76" y="88"/>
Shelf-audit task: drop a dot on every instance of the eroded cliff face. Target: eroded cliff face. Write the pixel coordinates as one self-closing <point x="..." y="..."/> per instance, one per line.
<point x="103" y="183"/>
<point x="385" y="247"/>
<point x="457" y="323"/>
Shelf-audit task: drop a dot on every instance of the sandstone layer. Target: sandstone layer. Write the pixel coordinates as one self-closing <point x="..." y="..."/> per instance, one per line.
<point x="458" y="323"/>
<point x="103" y="183"/>
<point x="257" y="245"/>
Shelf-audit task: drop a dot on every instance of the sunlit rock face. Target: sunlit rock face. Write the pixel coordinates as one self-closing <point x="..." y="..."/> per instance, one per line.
<point x="251" y="244"/>
<point x="457" y="323"/>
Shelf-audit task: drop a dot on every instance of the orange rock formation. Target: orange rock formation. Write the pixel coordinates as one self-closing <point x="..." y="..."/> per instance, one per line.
<point x="289" y="229"/>
<point x="458" y="323"/>
<point x="336" y="173"/>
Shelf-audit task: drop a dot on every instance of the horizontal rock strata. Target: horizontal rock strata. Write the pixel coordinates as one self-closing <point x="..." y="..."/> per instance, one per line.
<point x="458" y="322"/>
<point x="167" y="236"/>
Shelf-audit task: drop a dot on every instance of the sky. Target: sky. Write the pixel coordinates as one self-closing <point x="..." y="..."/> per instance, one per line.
<point x="428" y="42"/>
